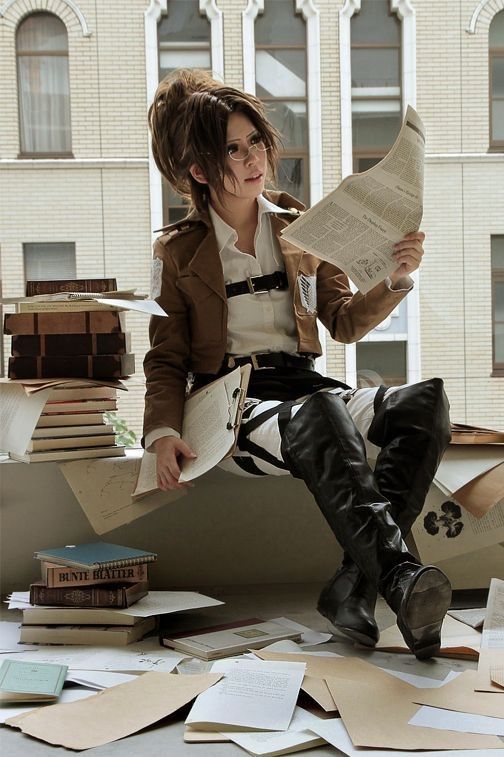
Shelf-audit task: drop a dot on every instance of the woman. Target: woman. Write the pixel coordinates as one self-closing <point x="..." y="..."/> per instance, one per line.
<point x="236" y="292"/>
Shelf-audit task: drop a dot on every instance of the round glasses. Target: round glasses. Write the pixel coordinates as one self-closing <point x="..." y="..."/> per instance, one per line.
<point x="238" y="153"/>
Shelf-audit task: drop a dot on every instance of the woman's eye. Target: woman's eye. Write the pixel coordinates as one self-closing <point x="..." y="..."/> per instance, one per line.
<point x="232" y="149"/>
<point x="255" y="139"/>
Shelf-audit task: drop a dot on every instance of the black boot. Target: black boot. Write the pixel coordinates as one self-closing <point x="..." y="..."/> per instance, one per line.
<point x="322" y="446"/>
<point x="412" y="427"/>
<point x="348" y="602"/>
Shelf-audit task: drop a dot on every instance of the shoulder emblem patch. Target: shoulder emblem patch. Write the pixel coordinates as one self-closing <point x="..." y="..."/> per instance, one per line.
<point x="156" y="278"/>
<point x="308" y="292"/>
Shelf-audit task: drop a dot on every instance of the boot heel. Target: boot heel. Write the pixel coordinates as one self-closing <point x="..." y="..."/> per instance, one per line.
<point x="422" y="611"/>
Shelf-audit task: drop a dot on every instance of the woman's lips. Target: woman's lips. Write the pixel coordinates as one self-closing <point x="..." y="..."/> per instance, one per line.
<point x="253" y="179"/>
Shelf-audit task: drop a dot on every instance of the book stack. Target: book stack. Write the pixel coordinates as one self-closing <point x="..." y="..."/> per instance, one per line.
<point x="81" y="595"/>
<point x="72" y="425"/>
<point x="68" y="338"/>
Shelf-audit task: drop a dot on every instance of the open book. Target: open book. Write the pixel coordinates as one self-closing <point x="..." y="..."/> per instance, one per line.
<point x="356" y="225"/>
<point x="212" y="417"/>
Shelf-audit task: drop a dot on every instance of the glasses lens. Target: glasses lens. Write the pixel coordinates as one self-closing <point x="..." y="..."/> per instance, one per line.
<point x="241" y="153"/>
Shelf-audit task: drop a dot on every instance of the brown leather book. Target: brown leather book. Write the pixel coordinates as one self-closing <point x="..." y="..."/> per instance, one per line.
<point x="70" y="285"/>
<point x="73" y="366"/>
<point x="108" y="595"/>
<point x="31" y="345"/>
<point x="84" y="322"/>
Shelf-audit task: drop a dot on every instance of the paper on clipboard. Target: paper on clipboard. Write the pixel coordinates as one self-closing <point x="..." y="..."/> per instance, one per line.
<point x="212" y="417"/>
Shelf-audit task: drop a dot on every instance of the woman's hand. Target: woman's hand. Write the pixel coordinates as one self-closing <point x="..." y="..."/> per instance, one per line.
<point x="408" y="255"/>
<point x="169" y="450"/>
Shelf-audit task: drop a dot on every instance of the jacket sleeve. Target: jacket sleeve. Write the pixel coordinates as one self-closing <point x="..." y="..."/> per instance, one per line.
<point x="166" y="362"/>
<point x="348" y="316"/>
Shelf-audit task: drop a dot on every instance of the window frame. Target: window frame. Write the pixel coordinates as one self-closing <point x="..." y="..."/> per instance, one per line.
<point x="495" y="145"/>
<point x="37" y="53"/>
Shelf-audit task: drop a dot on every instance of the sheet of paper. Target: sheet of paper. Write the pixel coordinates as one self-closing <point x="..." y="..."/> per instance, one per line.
<point x="67" y="695"/>
<point x="309" y="637"/>
<point x="9" y="639"/>
<point x="316" y="688"/>
<point x="457" y="640"/>
<point x="335" y="733"/>
<point x="139" y="657"/>
<point x="114" y="713"/>
<point x="207" y="415"/>
<point x="98" y="679"/>
<point x="459" y="695"/>
<point x="19" y="415"/>
<point x="155" y="603"/>
<point x="492" y="640"/>
<point x="461" y="464"/>
<point x="434" y="717"/>
<point x="149" y="307"/>
<point x="275" y="742"/>
<point x="422" y="682"/>
<point x="473" y="617"/>
<point x="108" y="504"/>
<point x="355" y="226"/>
<point x="252" y="695"/>
<point x="482" y="493"/>
<point x="388" y="705"/>
<point x="445" y="529"/>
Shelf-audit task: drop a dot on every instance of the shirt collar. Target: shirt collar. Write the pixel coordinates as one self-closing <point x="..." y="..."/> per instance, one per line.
<point x="225" y="233"/>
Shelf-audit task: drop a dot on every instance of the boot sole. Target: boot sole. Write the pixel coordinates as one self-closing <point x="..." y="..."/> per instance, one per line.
<point x="422" y="612"/>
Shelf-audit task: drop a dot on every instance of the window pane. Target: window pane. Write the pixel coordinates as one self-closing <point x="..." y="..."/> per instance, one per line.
<point x="279" y="24"/>
<point x="291" y="177"/>
<point x="42" y="32"/>
<point x="499" y="301"/>
<point x="375" y="68"/>
<point x="498" y="120"/>
<point x="381" y="363"/>
<point x="290" y="120"/>
<point x="499" y="342"/>
<point x="171" y="59"/>
<point x="496" y="33"/>
<point x="49" y="260"/>
<point x="184" y="23"/>
<point x="174" y="207"/>
<point x="364" y="163"/>
<point x="374" y="23"/>
<point x="498" y="253"/>
<point x="498" y="76"/>
<point x="44" y="102"/>
<point x="371" y="130"/>
<point x="281" y="73"/>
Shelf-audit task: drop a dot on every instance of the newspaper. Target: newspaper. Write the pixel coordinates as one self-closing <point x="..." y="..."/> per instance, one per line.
<point x="356" y="226"/>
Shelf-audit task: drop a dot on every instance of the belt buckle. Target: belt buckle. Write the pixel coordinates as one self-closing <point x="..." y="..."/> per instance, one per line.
<point x="251" y="288"/>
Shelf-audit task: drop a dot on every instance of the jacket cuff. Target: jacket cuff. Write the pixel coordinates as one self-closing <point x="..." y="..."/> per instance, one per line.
<point x="158" y="433"/>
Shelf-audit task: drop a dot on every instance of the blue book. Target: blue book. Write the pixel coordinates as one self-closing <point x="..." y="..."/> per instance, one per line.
<point x="95" y="555"/>
<point x="22" y="681"/>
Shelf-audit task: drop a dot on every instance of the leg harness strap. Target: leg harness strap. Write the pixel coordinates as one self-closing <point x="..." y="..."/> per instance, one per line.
<point x="244" y="443"/>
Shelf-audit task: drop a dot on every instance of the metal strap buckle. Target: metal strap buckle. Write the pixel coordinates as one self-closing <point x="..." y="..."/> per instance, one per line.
<point x="251" y="288"/>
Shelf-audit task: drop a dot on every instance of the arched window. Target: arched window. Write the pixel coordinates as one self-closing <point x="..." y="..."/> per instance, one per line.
<point x="498" y="304"/>
<point x="376" y="82"/>
<point x="43" y="86"/>
<point x="281" y="83"/>
<point x="184" y="42"/>
<point x="496" y="67"/>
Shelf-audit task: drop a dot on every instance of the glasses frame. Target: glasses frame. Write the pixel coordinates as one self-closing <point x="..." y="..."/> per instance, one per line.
<point x="258" y="147"/>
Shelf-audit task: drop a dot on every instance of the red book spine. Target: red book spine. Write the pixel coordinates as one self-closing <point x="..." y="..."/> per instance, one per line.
<point x="88" y="596"/>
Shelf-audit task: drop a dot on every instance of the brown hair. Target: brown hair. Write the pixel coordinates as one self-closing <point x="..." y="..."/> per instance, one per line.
<point x="188" y="123"/>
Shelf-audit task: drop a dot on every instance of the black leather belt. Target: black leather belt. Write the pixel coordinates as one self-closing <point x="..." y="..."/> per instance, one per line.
<point x="258" y="284"/>
<point x="271" y="360"/>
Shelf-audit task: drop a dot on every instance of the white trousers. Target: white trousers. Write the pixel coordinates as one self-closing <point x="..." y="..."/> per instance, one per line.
<point x="360" y="405"/>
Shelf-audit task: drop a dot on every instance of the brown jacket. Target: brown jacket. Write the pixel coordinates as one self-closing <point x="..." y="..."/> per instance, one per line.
<point x="194" y="336"/>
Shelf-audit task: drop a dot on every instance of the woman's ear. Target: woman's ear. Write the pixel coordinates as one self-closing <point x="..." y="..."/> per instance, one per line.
<point x="198" y="174"/>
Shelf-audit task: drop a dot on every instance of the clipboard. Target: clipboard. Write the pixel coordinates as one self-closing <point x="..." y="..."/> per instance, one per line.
<point x="228" y="394"/>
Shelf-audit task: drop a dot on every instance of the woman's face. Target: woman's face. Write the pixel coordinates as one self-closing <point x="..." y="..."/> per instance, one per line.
<point x="249" y="173"/>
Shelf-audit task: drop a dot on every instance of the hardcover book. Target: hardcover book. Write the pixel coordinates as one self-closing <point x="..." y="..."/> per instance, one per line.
<point x="71" y="442"/>
<point x="53" y="286"/>
<point x="99" y="635"/>
<point x="27" y="345"/>
<point x="96" y="555"/>
<point x="58" y="432"/>
<point x="58" y="615"/>
<point x="229" y="639"/>
<point x="81" y="392"/>
<point x="68" y="454"/>
<point x="82" y="418"/>
<point x="109" y="595"/>
<point x="63" y="306"/>
<point x="32" y="681"/>
<point x="101" y="321"/>
<point x="75" y="366"/>
<point x="79" y="406"/>
<point x="63" y="576"/>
